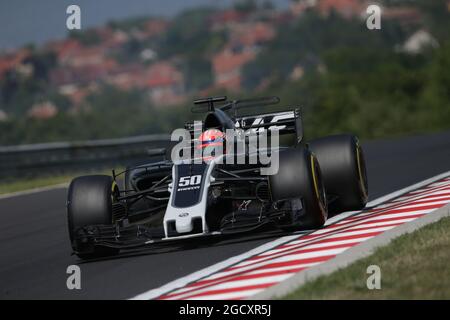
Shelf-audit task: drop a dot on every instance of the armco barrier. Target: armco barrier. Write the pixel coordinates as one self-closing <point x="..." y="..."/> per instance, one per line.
<point x="58" y="157"/>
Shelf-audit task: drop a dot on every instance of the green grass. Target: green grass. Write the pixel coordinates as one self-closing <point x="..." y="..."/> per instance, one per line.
<point x="23" y="184"/>
<point x="413" y="266"/>
<point x="31" y="183"/>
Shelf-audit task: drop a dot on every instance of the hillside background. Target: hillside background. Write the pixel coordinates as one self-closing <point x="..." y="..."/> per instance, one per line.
<point x="139" y="75"/>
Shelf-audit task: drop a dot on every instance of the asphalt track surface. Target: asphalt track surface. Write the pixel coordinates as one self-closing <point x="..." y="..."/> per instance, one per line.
<point x="35" y="251"/>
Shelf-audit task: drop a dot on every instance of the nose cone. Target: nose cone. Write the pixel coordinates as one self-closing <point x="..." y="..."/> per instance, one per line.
<point x="184" y="223"/>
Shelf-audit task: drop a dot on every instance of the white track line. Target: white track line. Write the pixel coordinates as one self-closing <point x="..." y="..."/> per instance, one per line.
<point x="289" y="247"/>
<point x="284" y="268"/>
<point x="239" y="277"/>
<point x="183" y="281"/>
<point x="228" y="296"/>
<point x="235" y="284"/>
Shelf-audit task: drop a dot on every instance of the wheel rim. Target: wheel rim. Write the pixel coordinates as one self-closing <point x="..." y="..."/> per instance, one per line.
<point x="114" y="196"/>
<point x="362" y="174"/>
<point x="319" y="188"/>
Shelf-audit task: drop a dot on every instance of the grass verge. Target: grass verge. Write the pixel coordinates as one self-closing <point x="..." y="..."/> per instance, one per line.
<point x="24" y="184"/>
<point x="27" y="184"/>
<point x="413" y="266"/>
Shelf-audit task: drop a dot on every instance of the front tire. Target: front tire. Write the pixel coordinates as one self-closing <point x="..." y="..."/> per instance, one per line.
<point x="299" y="176"/>
<point x="89" y="202"/>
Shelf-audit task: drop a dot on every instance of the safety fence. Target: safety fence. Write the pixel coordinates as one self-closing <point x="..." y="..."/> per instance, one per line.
<point x="62" y="157"/>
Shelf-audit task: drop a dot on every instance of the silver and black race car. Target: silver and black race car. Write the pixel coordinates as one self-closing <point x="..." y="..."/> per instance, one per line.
<point x="192" y="190"/>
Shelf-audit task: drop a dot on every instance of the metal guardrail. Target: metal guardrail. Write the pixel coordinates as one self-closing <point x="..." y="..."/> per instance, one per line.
<point x="61" y="157"/>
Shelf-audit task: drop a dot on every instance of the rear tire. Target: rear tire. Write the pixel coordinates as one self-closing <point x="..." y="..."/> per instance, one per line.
<point x="89" y="203"/>
<point x="299" y="176"/>
<point x="343" y="166"/>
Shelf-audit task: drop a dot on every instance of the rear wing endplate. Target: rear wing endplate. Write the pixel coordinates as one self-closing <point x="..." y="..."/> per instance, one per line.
<point x="286" y="122"/>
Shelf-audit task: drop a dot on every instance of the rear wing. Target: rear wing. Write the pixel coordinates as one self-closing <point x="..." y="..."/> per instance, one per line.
<point x="286" y="122"/>
<point x="233" y="106"/>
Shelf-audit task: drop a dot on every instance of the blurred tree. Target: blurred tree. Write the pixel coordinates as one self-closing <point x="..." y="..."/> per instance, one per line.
<point x="437" y="17"/>
<point x="352" y="81"/>
<point x="246" y="5"/>
<point x="88" y="37"/>
<point x="188" y="34"/>
<point x="308" y="38"/>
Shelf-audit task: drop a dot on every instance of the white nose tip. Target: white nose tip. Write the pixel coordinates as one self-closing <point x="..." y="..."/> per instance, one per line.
<point x="184" y="224"/>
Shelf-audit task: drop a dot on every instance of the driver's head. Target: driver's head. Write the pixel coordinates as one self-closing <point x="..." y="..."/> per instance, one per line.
<point x="211" y="140"/>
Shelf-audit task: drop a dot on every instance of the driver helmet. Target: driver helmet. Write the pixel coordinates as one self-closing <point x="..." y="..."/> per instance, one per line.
<point x="211" y="140"/>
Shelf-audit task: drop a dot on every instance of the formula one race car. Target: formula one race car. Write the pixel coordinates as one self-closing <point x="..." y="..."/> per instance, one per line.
<point x="194" y="190"/>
